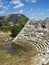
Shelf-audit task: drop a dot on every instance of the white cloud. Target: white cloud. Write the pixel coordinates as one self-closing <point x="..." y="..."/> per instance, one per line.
<point x="2" y="12"/>
<point x="20" y="11"/>
<point x="42" y="13"/>
<point x="17" y="3"/>
<point x="5" y="7"/>
<point x="34" y="1"/>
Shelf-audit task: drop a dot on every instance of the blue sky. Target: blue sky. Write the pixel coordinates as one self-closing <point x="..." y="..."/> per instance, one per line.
<point x="38" y="9"/>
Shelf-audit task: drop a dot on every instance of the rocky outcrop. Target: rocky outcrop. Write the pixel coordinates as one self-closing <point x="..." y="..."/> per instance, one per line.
<point x="14" y="18"/>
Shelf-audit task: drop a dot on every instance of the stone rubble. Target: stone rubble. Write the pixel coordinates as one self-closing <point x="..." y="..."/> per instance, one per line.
<point x="37" y="33"/>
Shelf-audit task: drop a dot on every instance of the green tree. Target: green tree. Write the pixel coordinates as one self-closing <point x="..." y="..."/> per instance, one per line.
<point x="0" y="24"/>
<point x="15" y="30"/>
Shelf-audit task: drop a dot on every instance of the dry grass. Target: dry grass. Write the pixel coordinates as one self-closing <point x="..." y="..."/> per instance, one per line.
<point x="28" y="47"/>
<point x="5" y="37"/>
<point x="8" y="59"/>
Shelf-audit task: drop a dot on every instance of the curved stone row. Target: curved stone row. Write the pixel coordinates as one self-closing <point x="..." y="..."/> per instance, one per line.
<point x="33" y="32"/>
<point x="41" y="46"/>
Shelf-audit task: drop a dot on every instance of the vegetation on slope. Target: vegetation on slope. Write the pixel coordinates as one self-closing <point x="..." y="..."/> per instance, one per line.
<point x="16" y="29"/>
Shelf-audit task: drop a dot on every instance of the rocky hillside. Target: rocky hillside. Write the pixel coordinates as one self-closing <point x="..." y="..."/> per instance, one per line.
<point x="12" y="18"/>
